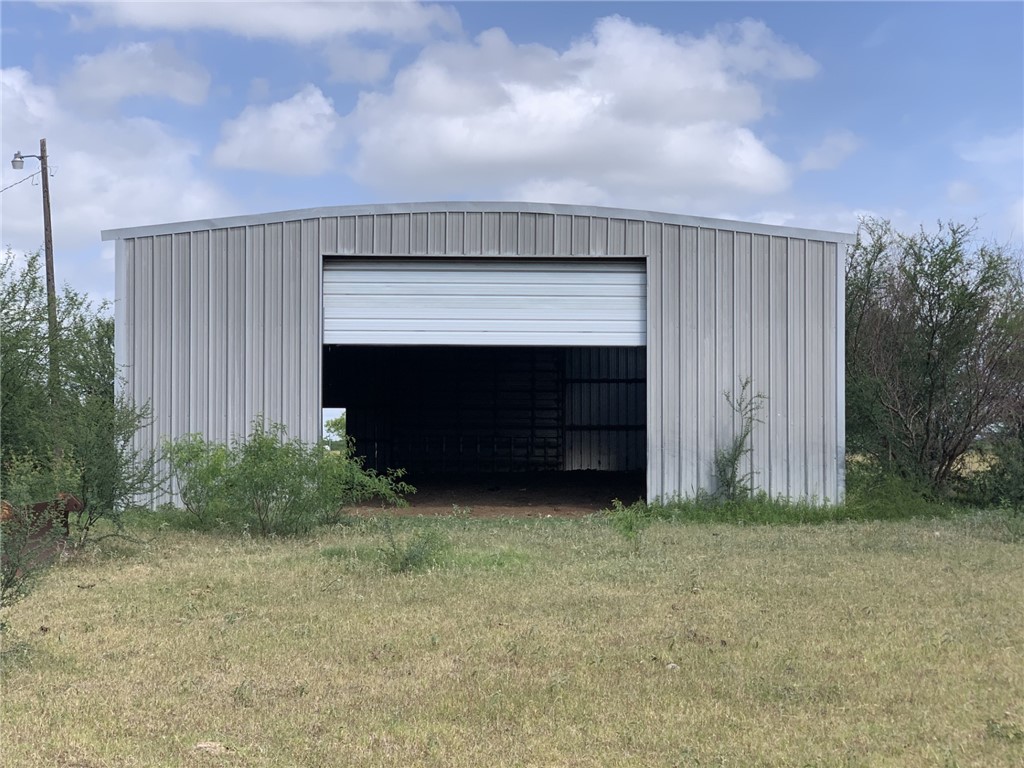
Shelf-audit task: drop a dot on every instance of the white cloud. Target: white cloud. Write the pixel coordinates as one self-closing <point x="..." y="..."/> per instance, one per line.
<point x="778" y="218"/>
<point x="995" y="150"/>
<point x="1015" y="222"/>
<point x="298" y="22"/>
<point x="136" y="69"/>
<point x="107" y="172"/>
<point x="994" y="169"/>
<point x="628" y="113"/>
<point x="351" y="64"/>
<point x="831" y="152"/>
<point x="570" y="191"/>
<point x="960" y="192"/>
<point x="296" y="137"/>
<point x="259" y="89"/>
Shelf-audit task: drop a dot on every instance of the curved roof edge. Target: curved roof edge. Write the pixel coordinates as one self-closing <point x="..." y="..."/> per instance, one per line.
<point x="473" y="206"/>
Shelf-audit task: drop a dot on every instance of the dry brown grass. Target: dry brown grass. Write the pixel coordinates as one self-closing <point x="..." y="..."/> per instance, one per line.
<point x="540" y="643"/>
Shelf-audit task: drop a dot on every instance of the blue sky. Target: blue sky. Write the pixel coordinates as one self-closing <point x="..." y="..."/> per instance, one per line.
<point x="807" y="114"/>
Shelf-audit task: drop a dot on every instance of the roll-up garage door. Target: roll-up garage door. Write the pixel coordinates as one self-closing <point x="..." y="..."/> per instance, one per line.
<point x="501" y="302"/>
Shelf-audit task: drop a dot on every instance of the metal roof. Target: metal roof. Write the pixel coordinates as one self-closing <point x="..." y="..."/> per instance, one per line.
<point x="501" y="207"/>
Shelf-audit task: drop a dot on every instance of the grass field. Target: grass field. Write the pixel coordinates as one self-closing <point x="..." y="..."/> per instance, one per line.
<point x="529" y="643"/>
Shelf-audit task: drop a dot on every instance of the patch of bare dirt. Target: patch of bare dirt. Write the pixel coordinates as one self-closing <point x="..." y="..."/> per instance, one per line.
<point x="521" y="494"/>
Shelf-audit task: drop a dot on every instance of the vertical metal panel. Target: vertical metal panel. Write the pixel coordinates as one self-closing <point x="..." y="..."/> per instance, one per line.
<point x="545" y="239"/>
<point x="418" y="236"/>
<point x="706" y="355"/>
<point x="124" y="311"/>
<point x="291" y="320"/>
<point x="328" y="233"/>
<point x="125" y="331"/>
<point x="760" y="348"/>
<point x="199" y="334"/>
<point x="346" y="234"/>
<point x="181" y="349"/>
<point x="509" y="239"/>
<point x="599" y="236"/>
<point x="142" y="367"/>
<point x="364" y="235"/>
<point x="798" y="455"/>
<point x="436" y="234"/>
<point x="255" y="312"/>
<point x="401" y="226"/>
<point x="218" y="381"/>
<point x="834" y="349"/>
<point x="581" y="235"/>
<point x="617" y="237"/>
<point x="308" y="335"/>
<point x="656" y="384"/>
<point x="474" y="233"/>
<point x="455" y="232"/>
<point x="235" y="332"/>
<point x="777" y="404"/>
<point x="491" y="234"/>
<point x="671" y="373"/>
<point x="652" y="238"/>
<point x="687" y="364"/>
<point x="634" y="245"/>
<point x="382" y="234"/>
<point x="816" y="373"/>
<point x="724" y="341"/>
<point x="562" y="235"/>
<point x="163" y="338"/>
<point x="273" y="331"/>
<point x="743" y="350"/>
<point x="528" y="234"/>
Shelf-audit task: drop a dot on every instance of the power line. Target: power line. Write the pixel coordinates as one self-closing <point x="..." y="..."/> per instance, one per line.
<point x="20" y="181"/>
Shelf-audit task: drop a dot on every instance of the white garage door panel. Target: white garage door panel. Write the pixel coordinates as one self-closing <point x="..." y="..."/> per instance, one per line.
<point x="550" y="302"/>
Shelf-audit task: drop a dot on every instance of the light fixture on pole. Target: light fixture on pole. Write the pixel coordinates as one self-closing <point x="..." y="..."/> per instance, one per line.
<point x="17" y="163"/>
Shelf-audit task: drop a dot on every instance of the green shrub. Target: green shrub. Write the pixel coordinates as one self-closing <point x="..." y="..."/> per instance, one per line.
<point x="414" y="552"/>
<point x="876" y="493"/>
<point x="630" y="521"/>
<point x="732" y="484"/>
<point x="199" y="468"/>
<point x="270" y="484"/>
<point x="871" y="494"/>
<point x="1000" y="481"/>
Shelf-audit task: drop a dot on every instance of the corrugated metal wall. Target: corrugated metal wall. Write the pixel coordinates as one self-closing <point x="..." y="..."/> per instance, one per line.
<point x="725" y="306"/>
<point x="215" y="327"/>
<point x="605" y="409"/>
<point x="218" y="321"/>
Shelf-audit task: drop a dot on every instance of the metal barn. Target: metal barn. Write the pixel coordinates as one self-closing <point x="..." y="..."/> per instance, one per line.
<point x="469" y="337"/>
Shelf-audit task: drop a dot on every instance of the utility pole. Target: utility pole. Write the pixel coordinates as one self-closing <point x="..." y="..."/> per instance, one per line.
<point x="53" y="382"/>
<point x="53" y="377"/>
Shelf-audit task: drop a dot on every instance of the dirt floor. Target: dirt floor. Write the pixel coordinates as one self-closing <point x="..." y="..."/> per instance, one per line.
<point x="523" y="494"/>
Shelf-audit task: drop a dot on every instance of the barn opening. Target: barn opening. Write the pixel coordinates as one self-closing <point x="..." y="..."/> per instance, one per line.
<point x="450" y="412"/>
<point x="484" y="366"/>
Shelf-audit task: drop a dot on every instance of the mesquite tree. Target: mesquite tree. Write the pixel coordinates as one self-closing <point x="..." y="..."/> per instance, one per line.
<point x="97" y="461"/>
<point x="934" y="347"/>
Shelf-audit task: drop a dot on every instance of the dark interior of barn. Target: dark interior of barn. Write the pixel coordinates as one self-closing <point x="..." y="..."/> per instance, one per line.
<point x="463" y="411"/>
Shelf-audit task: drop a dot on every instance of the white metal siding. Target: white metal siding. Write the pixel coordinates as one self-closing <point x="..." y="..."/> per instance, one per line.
<point x="535" y="302"/>
<point x="726" y="306"/>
